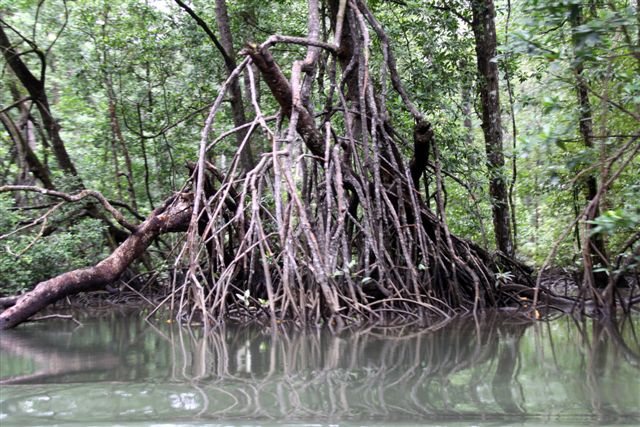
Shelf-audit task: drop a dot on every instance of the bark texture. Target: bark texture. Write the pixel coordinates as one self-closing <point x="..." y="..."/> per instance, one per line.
<point x="594" y="252"/>
<point x="484" y="31"/>
<point x="281" y="90"/>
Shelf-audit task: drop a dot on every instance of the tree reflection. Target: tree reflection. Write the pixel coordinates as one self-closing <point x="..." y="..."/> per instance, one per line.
<point x="495" y="368"/>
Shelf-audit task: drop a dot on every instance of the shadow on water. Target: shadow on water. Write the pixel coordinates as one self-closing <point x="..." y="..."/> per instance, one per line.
<point x="122" y="369"/>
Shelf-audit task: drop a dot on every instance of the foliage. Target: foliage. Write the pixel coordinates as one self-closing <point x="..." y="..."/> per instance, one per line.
<point x="26" y="259"/>
<point x="161" y="72"/>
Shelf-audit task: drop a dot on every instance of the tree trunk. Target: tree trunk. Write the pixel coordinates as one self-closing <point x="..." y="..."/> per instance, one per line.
<point x="235" y="93"/>
<point x="281" y="90"/>
<point x="36" y="167"/>
<point x="484" y="30"/>
<point x="116" y="130"/>
<point x="594" y="250"/>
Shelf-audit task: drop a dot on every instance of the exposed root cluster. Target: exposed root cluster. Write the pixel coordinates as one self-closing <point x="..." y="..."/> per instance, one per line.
<point x="330" y="223"/>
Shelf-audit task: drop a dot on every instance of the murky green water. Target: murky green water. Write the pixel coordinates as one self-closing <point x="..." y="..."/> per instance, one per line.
<point x="117" y="369"/>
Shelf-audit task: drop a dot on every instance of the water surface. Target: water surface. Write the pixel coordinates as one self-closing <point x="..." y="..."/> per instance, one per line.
<point x="117" y="369"/>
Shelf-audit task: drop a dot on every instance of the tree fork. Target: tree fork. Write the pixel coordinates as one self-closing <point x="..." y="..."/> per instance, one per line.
<point x="281" y="90"/>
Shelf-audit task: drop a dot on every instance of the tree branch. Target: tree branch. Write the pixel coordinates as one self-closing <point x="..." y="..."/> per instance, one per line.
<point x="229" y="61"/>
<point x="281" y="90"/>
<point x="117" y="215"/>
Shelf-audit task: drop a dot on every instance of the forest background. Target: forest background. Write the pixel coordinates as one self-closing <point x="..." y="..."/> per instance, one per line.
<point x="129" y="85"/>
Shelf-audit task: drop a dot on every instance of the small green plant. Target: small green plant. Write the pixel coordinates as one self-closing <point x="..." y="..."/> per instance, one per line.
<point x="244" y="297"/>
<point x="503" y="277"/>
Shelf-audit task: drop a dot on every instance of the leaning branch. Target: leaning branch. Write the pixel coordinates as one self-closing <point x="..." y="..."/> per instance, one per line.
<point x="282" y="92"/>
<point x="117" y="215"/>
<point x="389" y="59"/>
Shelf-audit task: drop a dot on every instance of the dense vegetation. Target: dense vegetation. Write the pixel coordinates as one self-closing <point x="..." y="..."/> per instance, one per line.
<point x="517" y="123"/>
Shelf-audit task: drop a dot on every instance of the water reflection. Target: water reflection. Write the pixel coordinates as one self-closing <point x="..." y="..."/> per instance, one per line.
<point x="122" y="369"/>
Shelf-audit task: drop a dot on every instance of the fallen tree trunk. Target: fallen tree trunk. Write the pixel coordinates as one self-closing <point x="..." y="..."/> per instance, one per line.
<point x="174" y="215"/>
